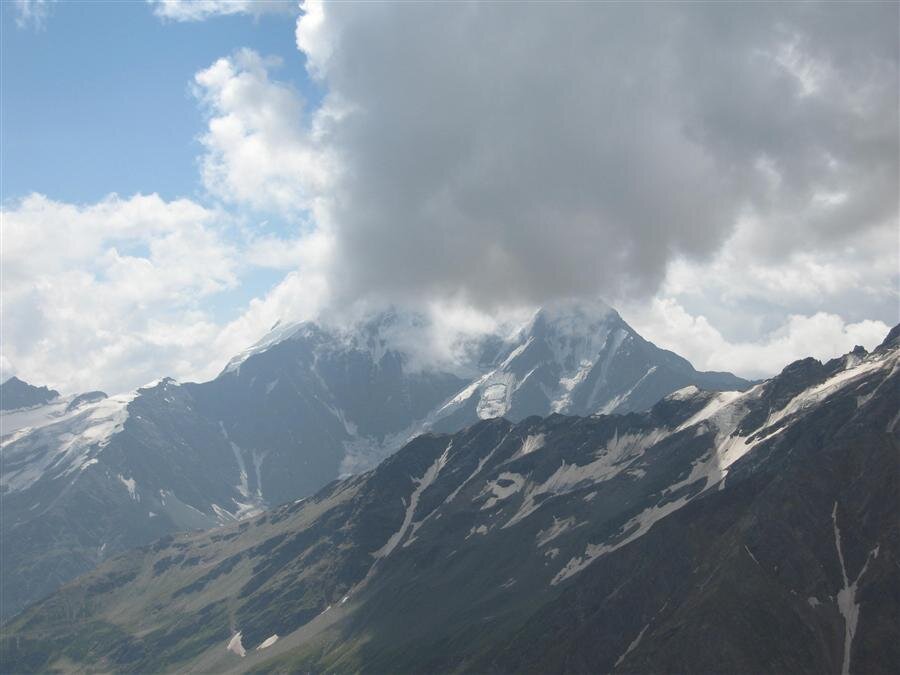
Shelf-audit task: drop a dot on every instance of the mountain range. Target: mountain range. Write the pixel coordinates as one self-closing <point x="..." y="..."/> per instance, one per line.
<point x="737" y="531"/>
<point x="84" y="477"/>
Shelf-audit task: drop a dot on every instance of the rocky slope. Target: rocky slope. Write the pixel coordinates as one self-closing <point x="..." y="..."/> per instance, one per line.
<point x="85" y="477"/>
<point x="718" y="532"/>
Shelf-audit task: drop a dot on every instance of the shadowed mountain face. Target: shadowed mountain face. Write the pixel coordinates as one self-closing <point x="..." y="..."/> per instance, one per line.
<point x="14" y="394"/>
<point x="750" y="531"/>
<point x="86" y="477"/>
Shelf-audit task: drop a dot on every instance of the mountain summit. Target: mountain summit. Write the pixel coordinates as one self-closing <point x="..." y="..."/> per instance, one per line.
<point x="575" y="358"/>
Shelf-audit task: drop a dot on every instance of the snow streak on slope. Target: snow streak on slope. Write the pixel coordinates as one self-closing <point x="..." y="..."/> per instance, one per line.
<point x="846" y="597"/>
<point x="421" y="485"/>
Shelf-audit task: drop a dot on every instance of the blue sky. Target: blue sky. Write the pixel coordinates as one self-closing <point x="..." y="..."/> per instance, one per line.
<point x="98" y="100"/>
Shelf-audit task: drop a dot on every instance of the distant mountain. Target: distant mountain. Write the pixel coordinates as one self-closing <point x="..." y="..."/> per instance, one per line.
<point x="14" y="393"/>
<point x="754" y="531"/>
<point x="575" y="358"/>
<point x="85" y="477"/>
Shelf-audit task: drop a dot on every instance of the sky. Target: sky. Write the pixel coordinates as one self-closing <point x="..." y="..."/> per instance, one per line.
<point x="176" y="176"/>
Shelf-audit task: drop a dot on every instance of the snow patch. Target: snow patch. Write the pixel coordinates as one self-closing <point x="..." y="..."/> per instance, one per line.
<point x="478" y="529"/>
<point x="502" y="487"/>
<point x="235" y="646"/>
<point x="716" y="403"/>
<point x="131" y="485"/>
<point x="531" y="444"/>
<point x="684" y="394"/>
<point x="495" y="397"/>
<point x="268" y="642"/>
<point x="556" y="529"/>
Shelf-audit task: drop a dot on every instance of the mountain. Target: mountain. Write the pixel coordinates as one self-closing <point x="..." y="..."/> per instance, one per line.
<point x="80" y="483"/>
<point x="14" y="394"/>
<point x="86" y="477"/>
<point x="577" y="358"/>
<point x="754" y="531"/>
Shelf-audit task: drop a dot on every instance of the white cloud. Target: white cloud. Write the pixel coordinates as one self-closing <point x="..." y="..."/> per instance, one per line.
<point x="200" y="10"/>
<point x="821" y="335"/>
<point x="115" y="294"/>
<point x="260" y="150"/>
<point x="110" y="294"/>
<point x="32" y="13"/>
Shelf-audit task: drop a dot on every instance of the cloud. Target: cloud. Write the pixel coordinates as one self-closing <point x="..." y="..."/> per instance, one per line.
<point x="32" y="13"/>
<point x="821" y="335"/>
<point x="111" y="294"/>
<point x="260" y="150"/>
<point x="200" y="10"/>
<point x="114" y="294"/>
<point x="518" y="156"/>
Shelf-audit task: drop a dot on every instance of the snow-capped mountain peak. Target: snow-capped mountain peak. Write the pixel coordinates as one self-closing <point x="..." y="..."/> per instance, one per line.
<point x="576" y="357"/>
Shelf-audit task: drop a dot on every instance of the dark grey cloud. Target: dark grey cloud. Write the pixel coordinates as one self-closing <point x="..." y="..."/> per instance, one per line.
<point x="516" y="153"/>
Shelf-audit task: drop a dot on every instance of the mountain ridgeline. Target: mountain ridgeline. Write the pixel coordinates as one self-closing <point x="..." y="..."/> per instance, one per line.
<point x="15" y="394"/>
<point x="84" y="477"/>
<point x="740" y="531"/>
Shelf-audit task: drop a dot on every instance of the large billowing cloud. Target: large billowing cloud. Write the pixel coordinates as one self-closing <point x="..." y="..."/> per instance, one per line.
<point x="515" y="155"/>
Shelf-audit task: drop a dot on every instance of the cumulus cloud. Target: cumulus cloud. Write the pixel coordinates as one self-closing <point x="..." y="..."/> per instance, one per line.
<point x="200" y="10"/>
<point x="821" y="335"/>
<point x="260" y="149"/>
<point x="517" y="156"/>
<point x="110" y="294"/>
<point x="118" y="293"/>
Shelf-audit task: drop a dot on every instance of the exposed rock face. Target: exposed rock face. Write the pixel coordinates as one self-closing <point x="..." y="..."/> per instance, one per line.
<point x="719" y="532"/>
